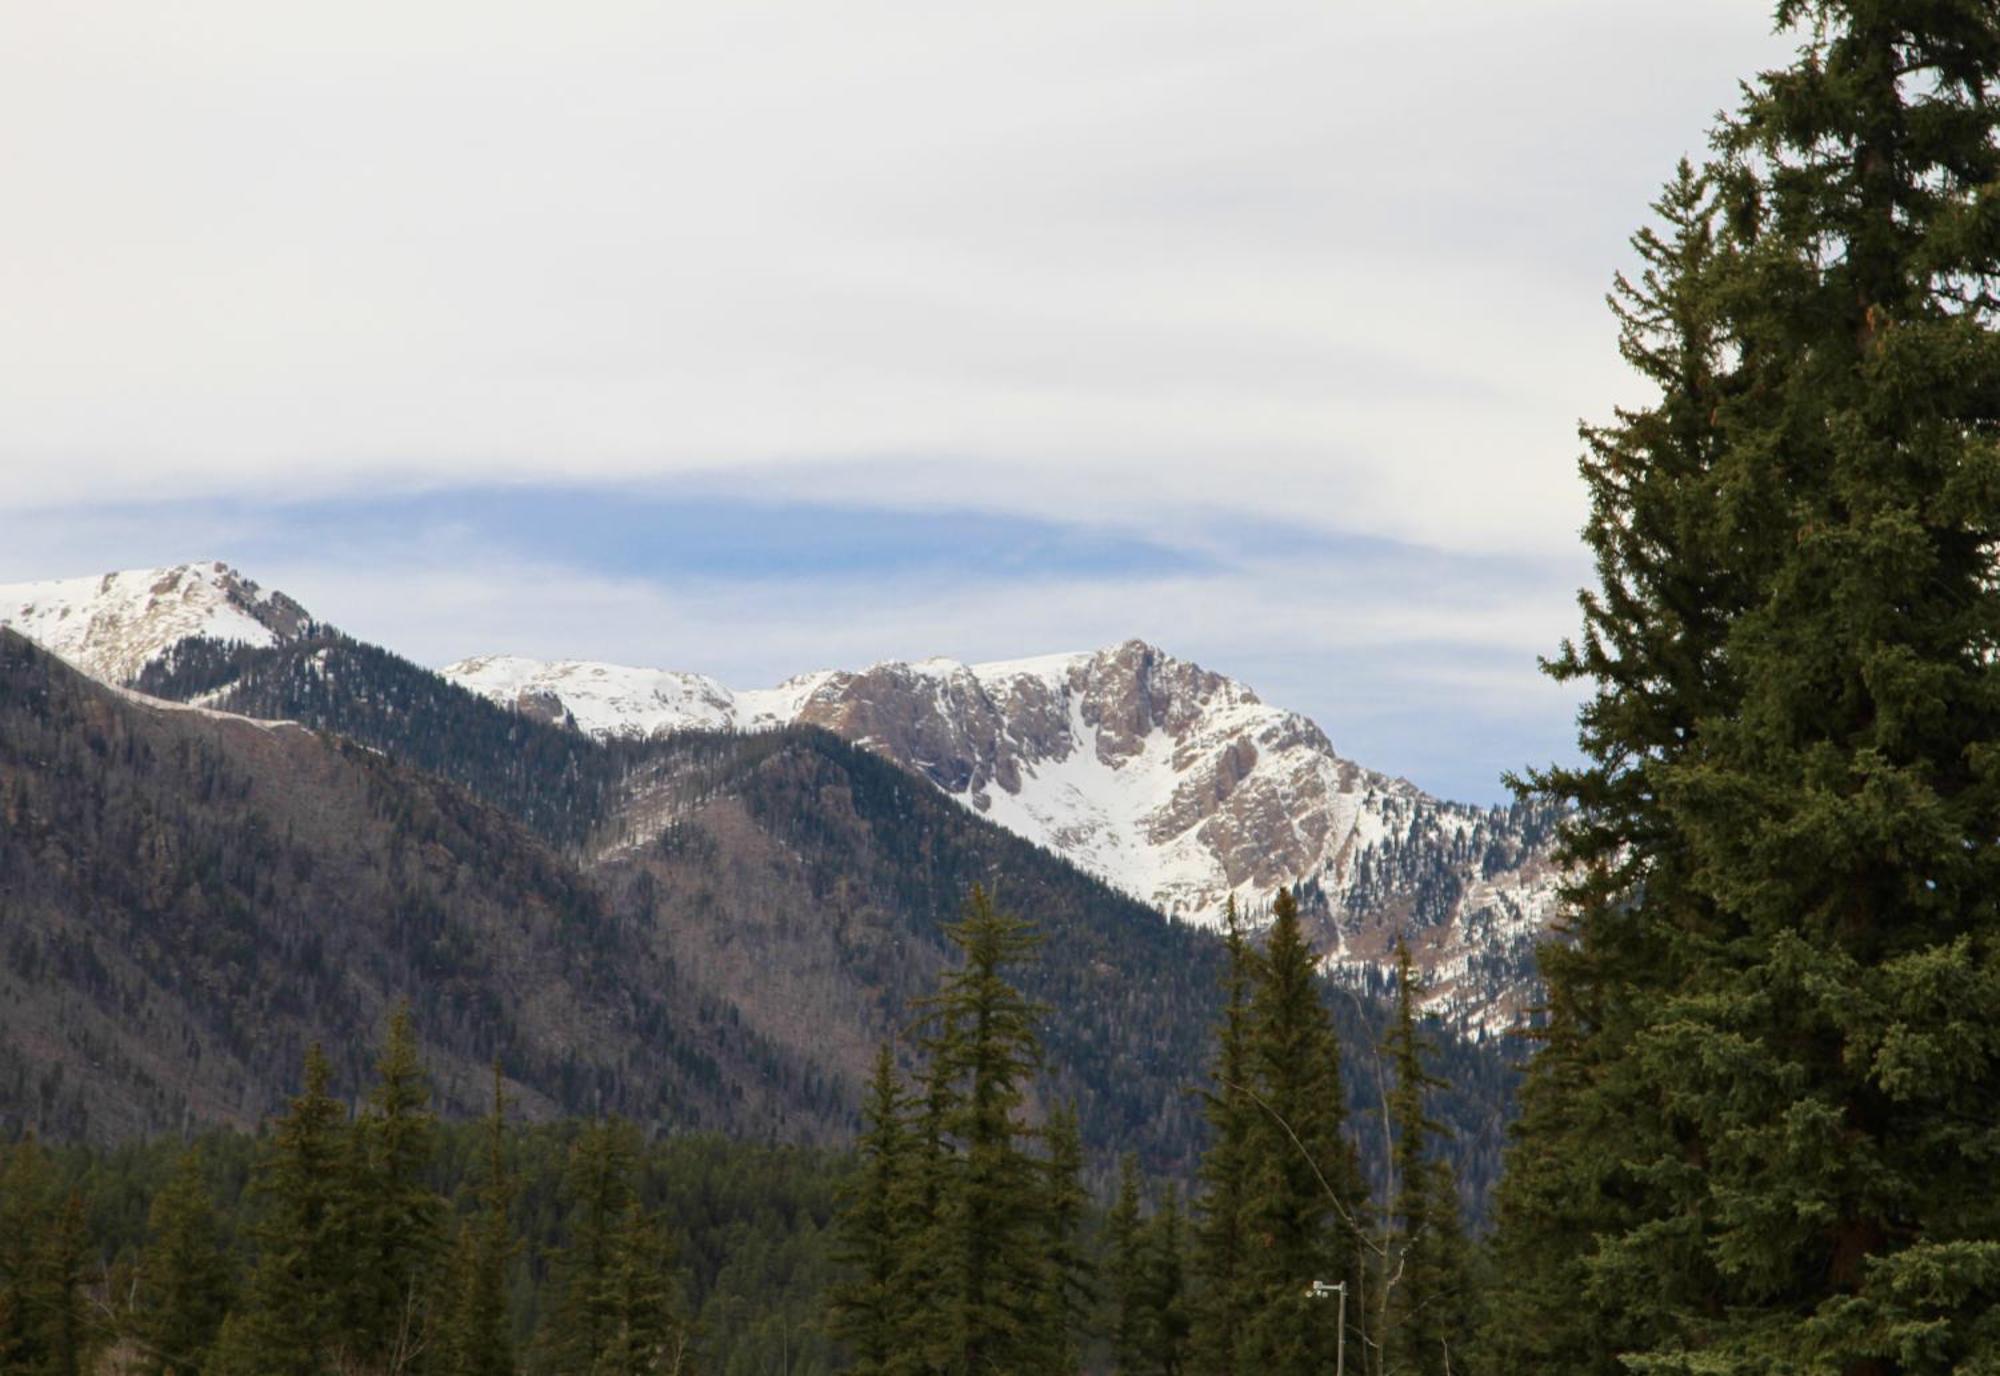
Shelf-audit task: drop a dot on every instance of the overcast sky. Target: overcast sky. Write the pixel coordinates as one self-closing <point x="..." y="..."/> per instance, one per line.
<point x="758" y="338"/>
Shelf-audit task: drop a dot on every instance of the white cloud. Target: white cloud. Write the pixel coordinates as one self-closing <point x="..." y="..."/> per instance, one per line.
<point x="1336" y="263"/>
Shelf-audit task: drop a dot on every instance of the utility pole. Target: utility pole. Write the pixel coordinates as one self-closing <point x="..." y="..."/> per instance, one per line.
<point x="1319" y="1291"/>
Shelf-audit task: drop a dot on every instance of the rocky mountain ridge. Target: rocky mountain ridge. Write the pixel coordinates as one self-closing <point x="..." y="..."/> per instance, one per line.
<point x="113" y="625"/>
<point x="1173" y="783"/>
<point x="1177" y="785"/>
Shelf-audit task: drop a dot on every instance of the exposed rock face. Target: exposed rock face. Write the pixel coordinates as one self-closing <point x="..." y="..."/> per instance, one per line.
<point x="114" y="625"/>
<point x="1174" y="783"/>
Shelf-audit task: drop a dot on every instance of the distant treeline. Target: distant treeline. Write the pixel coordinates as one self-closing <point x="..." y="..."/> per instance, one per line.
<point x="960" y="1237"/>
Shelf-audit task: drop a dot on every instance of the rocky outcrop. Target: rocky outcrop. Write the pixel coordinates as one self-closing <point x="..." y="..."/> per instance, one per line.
<point x="114" y="625"/>
<point x="1174" y="783"/>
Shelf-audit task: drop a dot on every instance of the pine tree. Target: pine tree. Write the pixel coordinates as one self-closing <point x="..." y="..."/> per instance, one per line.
<point x="866" y="1309"/>
<point x="183" y="1289"/>
<point x="922" y="1270"/>
<point x="479" y="1338"/>
<point x="26" y="1197"/>
<point x="57" y="1301"/>
<point x="289" y="1322"/>
<point x="982" y="1244"/>
<point x="1166" y="1345"/>
<point x="395" y="1219"/>
<point x="1071" y="1291"/>
<point x="1586" y="1116"/>
<point x="646" y="1334"/>
<point x="1303" y="1194"/>
<point x="597" y="1186"/>
<point x="1424" y="1286"/>
<point x="1125" y="1272"/>
<point x="1220" y="1247"/>
<point x="1760" y="1130"/>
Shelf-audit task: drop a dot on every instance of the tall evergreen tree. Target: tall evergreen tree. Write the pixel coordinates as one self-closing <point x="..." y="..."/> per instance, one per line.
<point x="1304" y="1200"/>
<point x="56" y="1299"/>
<point x="1791" y="787"/>
<point x="866" y="1308"/>
<point x="1166" y="1345"/>
<point x="986" y="1236"/>
<point x="479" y="1337"/>
<point x="183" y="1289"/>
<point x="395" y="1218"/>
<point x="1071" y="1292"/>
<point x="646" y="1334"/>
<point x="1424" y="1285"/>
<point x="597" y="1186"/>
<point x="1125" y="1272"/>
<point x="1220" y="1244"/>
<point x="1653" y="643"/>
<point x="26" y="1200"/>
<point x="289" y="1322"/>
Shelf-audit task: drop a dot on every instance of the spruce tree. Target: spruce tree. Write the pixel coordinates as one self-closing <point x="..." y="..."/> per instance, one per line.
<point x="1166" y="1343"/>
<point x="597" y="1187"/>
<point x="1220" y="1244"/>
<point x="289" y="1321"/>
<point x="1424" y="1284"/>
<point x="866" y="1308"/>
<point x="183" y="1284"/>
<point x="479" y="1337"/>
<point x="982" y="1244"/>
<point x="1071" y="1292"/>
<point x="1125" y="1272"/>
<point x="1303" y="1196"/>
<point x="646" y="1334"/>
<point x="26" y="1199"/>
<point x="1592" y="1154"/>
<point x="1774" y="1048"/>
<point x="57" y="1302"/>
<point x="395" y="1218"/>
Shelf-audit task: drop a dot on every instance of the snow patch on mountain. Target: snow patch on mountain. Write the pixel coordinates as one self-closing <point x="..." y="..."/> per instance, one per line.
<point x="112" y="625"/>
<point x="1177" y="785"/>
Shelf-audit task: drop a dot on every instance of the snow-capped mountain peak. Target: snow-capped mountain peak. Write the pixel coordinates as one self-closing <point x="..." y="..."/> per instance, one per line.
<point x="1176" y="784"/>
<point x="112" y="625"/>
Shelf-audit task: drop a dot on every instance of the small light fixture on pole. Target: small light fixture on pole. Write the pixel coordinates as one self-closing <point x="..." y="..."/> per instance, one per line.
<point x="1319" y="1290"/>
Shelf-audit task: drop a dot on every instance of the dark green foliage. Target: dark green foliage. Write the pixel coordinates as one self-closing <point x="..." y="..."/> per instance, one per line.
<point x="1167" y="1347"/>
<point x="1221" y="1239"/>
<point x="477" y="1337"/>
<point x="184" y="1285"/>
<point x="1759" y="1134"/>
<point x="1303" y="1198"/>
<point x="648" y="1335"/>
<point x="45" y="1265"/>
<point x="866" y="1309"/>
<point x="1070" y="1293"/>
<point x="598" y="1190"/>
<point x="289" y="1322"/>
<point x="1426" y="1288"/>
<point x="1125" y="1272"/>
<point x="984" y="1234"/>
<point x="393" y="1218"/>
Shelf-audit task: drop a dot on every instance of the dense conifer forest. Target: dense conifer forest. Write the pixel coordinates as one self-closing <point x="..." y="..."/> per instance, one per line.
<point x="960" y="1235"/>
<point x="1760" y="1126"/>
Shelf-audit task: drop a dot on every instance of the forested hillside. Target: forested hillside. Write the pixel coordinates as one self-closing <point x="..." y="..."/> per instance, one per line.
<point x="190" y="899"/>
<point x="804" y="882"/>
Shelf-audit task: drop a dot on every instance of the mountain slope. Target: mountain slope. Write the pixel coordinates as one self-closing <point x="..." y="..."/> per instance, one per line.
<point x="189" y="898"/>
<point x="195" y="895"/>
<point x="114" y="625"/>
<point x="1174" y="784"/>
